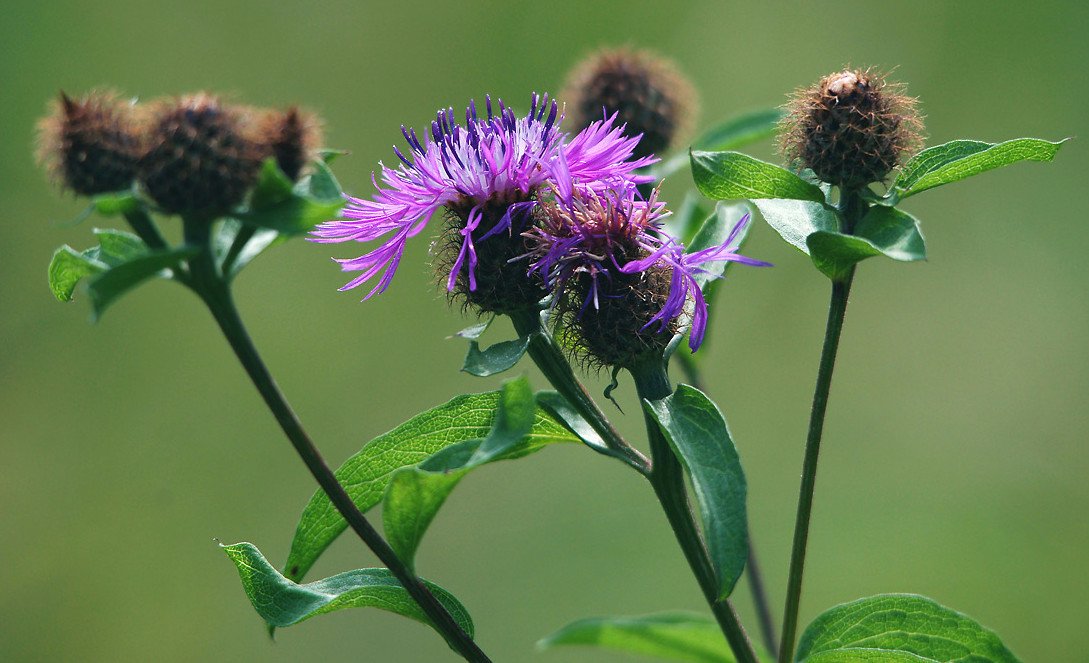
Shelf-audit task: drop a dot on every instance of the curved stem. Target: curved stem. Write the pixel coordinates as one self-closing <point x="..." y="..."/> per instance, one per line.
<point x="549" y="358"/>
<point x="667" y="479"/>
<point x="851" y="207"/>
<point x="216" y="295"/>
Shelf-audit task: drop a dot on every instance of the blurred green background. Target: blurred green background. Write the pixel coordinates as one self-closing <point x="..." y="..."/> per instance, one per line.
<point x="955" y="460"/>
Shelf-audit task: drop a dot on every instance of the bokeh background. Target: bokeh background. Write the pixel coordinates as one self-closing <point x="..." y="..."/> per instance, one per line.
<point x="956" y="456"/>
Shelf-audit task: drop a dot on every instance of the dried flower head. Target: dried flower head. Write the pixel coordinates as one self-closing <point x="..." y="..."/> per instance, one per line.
<point x="202" y="156"/>
<point x="851" y="128"/>
<point x="646" y="92"/>
<point x="620" y="283"/>
<point x="90" y="144"/>
<point x="487" y="174"/>
<point x="292" y="136"/>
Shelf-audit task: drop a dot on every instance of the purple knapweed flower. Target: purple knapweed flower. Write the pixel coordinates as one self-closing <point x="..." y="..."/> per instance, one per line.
<point x="498" y="160"/>
<point x="596" y="237"/>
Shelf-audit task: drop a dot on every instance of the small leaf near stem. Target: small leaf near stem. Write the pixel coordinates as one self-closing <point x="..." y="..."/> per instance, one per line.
<point x="852" y="208"/>
<point x="211" y="287"/>
<point x="667" y="479"/>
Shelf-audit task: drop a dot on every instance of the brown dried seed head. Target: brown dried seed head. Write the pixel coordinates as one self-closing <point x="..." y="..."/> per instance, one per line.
<point x="647" y="92"/>
<point x="90" y="144"/>
<point x="292" y="136"/>
<point x="201" y="156"/>
<point x="851" y="128"/>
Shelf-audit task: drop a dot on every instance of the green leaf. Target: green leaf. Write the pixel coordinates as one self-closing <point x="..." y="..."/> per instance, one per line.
<point x="732" y="134"/>
<point x="118" y="246"/>
<point x="281" y="602"/>
<point x="294" y="216"/>
<point x="735" y="176"/>
<point x="236" y="244"/>
<point x="114" y="204"/>
<point x="67" y="268"/>
<point x="367" y="474"/>
<point x="899" y="625"/>
<point x="495" y="358"/>
<point x="273" y="186"/>
<point x="960" y="159"/>
<point x="320" y="184"/>
<point x="415" y="494"/>
<point x="474" y="332"/>
<point x="109" y="285"/>
<point x="883" y="231"/>
<point x="714" y="231"/>
<point x="561" y="410"/>
<point x="795" y="220"/>
<point x="673" y="636"/>
<point x="279" y="205"/>
<point x="697" y="433"/>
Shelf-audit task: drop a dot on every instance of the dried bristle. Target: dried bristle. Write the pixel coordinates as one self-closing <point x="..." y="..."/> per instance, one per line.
<point x="852" y="128"/>
<point x="614" y="333"/>
<point x="292" y="136"/>
<point x="502" y="285"/>
<point x="91" y="144"/>
<point x="202" y="155"/>
<point x="647" y="92"/>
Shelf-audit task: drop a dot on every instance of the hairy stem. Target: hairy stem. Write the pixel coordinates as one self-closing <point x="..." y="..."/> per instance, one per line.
<point x="851" y="207"/>
<point x="544" y="352"/>
<point x="215" y="293"/>
<point x="667" y="479"/>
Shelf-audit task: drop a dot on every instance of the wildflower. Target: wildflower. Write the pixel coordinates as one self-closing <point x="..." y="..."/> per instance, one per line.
<point x="620" y="283"/>
<point x="486" y="173"/>
<point x="851" y="128"/>
<point x="648" y="93"/>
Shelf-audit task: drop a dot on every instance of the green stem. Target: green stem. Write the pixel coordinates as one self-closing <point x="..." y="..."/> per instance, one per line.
<point x="851" y="207"/>
<point x="667" y="479"/>
<point x="145" y="228"/>
<point x="211" y="288"/>
<point x="544" y="352"/>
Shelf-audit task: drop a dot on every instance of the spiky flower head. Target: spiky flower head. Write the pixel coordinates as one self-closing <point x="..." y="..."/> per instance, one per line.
<point x="851" y="128"/>
<point x="202" y="155"/>
<point x="620" y="283"/>
<point x="646" y="92"/>
<point x="487" y="174"/>
<point x="90" y="144"/>
<point x="292" y="136"/>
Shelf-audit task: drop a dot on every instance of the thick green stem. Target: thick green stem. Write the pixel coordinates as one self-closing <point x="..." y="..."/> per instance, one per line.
<point x="216" y="294"/>
<point x="667" y="479"/>
<point x="851" y="207"/>
<point x="549" y="358"/>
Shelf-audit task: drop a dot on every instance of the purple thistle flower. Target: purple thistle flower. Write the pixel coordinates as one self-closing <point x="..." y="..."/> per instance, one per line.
<point x="497" y="160"/>
<point x="597" y="235"/>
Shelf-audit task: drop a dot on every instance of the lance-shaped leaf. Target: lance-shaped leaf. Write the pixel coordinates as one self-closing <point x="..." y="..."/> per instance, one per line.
<point x="697" y="433"/>
<point x="415" y="494"/>
<point x="287" y="208"/>
<point x="894" y="627"/>
<point x="959" y="159"/>
<point x="495" y="358"/>
<point x="367" y="474"/>
<point x="736" y="176"/>
<point x="796" y="220"/>
<point x="105" y="288"/>
<point x="732" y="134"/>
<point x="281" y="602"/>
<point x="883" y="231"/>
<point x="672" y="636"/>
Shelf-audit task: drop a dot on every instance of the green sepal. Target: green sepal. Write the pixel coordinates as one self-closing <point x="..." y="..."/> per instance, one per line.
<point x="366" y="474"/>
<point x="898" y="627"/>
<point x="732" y="134"/>
<point x="672" y="636"/>
<point x="281" y="602"/>
<point x="959" y="159"/>
<point x="697" y="432"/>
<point x="736" y="176"/>
<point x="415" y="494"/>
<point x="495" y="358"/>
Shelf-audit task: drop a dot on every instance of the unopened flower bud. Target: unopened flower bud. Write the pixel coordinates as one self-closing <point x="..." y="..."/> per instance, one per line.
<point x="90" y="144"/>
<point x="202" y="156"/>
<point x="851" y="128"/>
<point x="292" y="136"/>
<point x="646" y="92"/>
